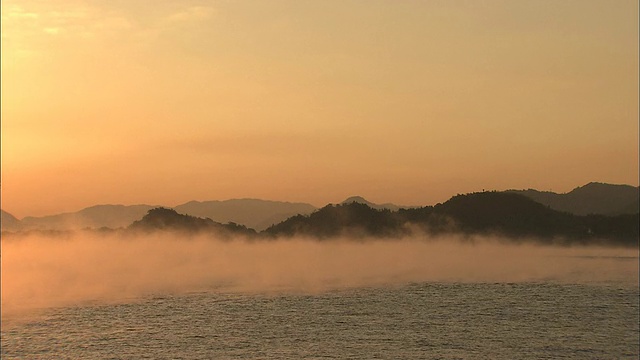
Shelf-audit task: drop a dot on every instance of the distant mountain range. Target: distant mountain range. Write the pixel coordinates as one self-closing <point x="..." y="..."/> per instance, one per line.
<point x="361" y="200"/>
<point x="510" y="216"/>
<point x="253" y="213"/>
<point x="94" y="217"/>
<point x="468" y="213"/>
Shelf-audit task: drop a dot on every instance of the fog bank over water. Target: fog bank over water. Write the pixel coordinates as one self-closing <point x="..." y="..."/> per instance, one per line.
<point x="40" y="272"/>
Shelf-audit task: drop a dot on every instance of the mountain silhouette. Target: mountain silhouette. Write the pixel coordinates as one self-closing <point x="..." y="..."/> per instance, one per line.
<point x="354" y="219"/>
<point x="594" y="213"/>
<point x="111" y="216"/>
<point x="9" y="222"/>
<point x="361" y="200"/>
<point x="593" y="198"/>
<point x="168" y="219"/>
<point x="488" y="213"/>
<point x="508" y="214"/>
<point x="254" y="213"/>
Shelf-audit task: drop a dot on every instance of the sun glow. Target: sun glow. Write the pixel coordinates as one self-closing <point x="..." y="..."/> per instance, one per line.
<point x="407" y="103"/>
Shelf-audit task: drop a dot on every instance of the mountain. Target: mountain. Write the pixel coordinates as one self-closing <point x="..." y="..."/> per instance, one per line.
<point x="518" y="216"/>
<point x="258" y="214"/>
<point x="587" y="214"/>
<point x="168" y="219"/>
<point x="253" y="213"/>
<point x="361" y="200"/>
<point x="9" y="222"/>
<point x="593" y="198"/>
<point x="111" y="216"/>
<point x="486" y="213"/>
<point x="506" y="213"/>
<point x="353" y="219"/>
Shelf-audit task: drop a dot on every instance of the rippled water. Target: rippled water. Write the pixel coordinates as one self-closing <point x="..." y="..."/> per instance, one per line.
<point x="413" y="321"/>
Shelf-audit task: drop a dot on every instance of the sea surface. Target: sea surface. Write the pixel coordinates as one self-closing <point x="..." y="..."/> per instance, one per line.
<point x="416" y="320"/>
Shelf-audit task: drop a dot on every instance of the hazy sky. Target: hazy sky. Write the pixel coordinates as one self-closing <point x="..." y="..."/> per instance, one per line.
<point x="411" y="102"/>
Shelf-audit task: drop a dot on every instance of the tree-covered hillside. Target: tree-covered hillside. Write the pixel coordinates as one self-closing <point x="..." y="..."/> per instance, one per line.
<point x="488" y="213"/>
<point x="169" y="219"/>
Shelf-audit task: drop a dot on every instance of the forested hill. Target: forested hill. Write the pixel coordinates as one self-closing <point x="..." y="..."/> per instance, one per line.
<point x="511" y="216"/>
<point x="592" y="198"/>
<point x="168" y="219"/>
<point x="499" y="213"/>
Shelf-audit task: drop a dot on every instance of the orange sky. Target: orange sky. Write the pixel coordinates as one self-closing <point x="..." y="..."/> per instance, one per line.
<point x="162" y="102"/>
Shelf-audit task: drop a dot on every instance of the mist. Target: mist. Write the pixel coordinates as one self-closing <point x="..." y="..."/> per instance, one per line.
<point x="41" y="272"/>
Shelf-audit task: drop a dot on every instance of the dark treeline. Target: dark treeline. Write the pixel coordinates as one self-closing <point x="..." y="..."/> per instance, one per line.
<point x="509" y="215"/>
<point x="487" y="213"/>
<point x="168" y="219"/>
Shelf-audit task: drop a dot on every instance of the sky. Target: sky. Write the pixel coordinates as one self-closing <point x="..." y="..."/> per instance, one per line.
<point x="410" y="102"/>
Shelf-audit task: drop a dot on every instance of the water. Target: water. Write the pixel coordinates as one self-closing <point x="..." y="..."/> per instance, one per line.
<point x="426" y="320"/>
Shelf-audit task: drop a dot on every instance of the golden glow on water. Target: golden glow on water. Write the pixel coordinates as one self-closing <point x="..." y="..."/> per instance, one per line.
<point x="40" y="272"/>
